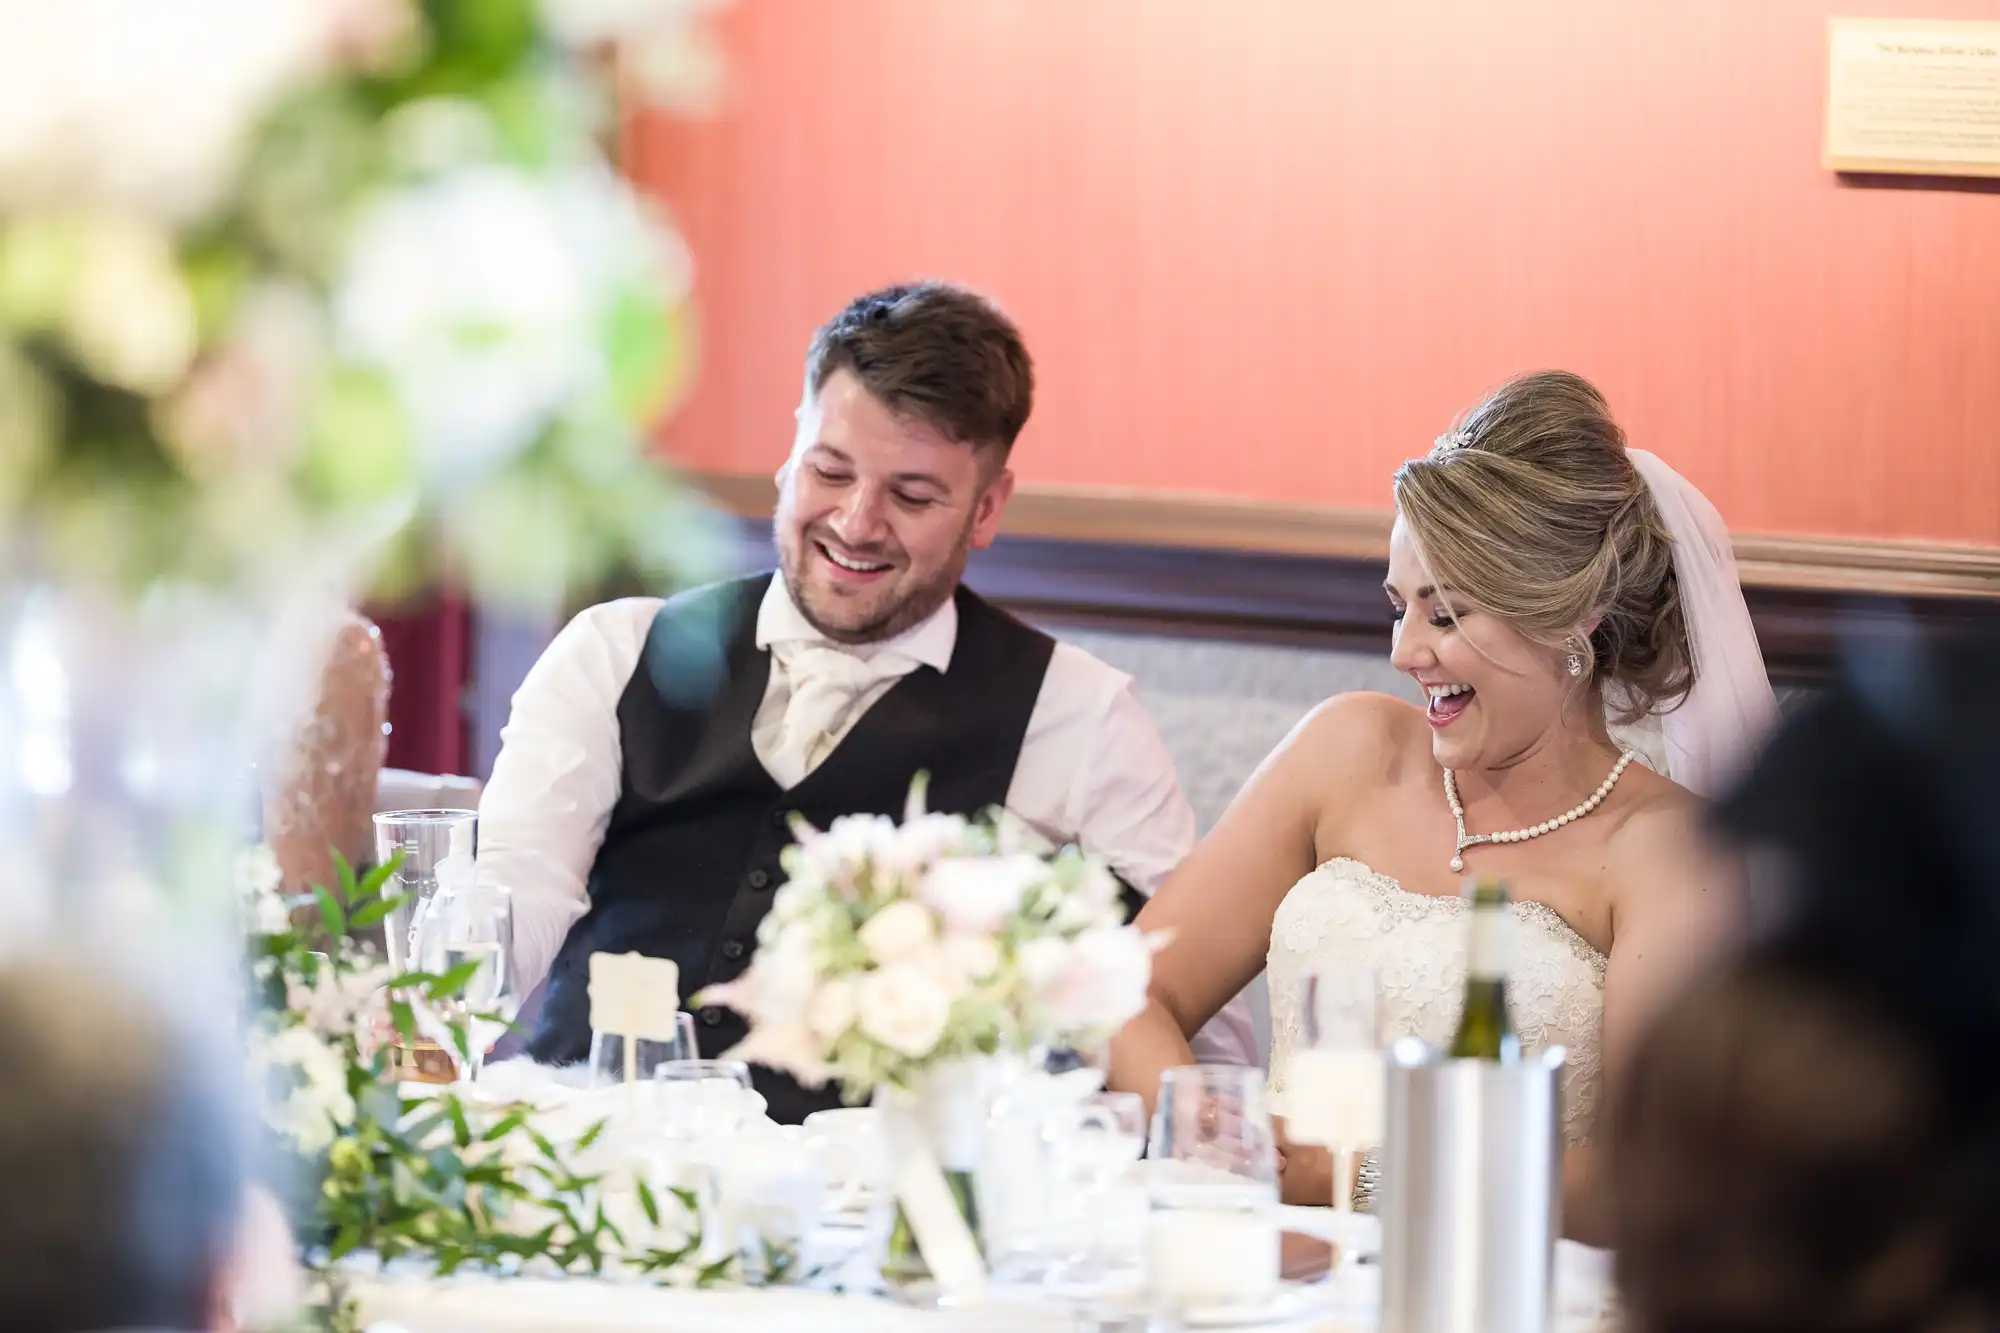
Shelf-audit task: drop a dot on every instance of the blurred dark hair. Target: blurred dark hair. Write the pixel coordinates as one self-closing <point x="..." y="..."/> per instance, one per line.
<point x="120" y="1158"/>
<point x="1810" y="1139"/>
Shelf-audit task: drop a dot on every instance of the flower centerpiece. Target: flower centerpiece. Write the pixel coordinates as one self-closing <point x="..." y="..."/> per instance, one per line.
<point x="444" y="1176"/>
<point x="897" y="958"/>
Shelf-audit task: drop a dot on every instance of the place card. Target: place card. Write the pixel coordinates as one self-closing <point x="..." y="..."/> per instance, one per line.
<point x="1913" y="97"/>
<point x="634" y="997"/>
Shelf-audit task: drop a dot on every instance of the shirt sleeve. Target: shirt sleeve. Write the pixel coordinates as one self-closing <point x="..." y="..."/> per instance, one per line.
<point x="558" y="774"/>
<point x="1127" y="806"/>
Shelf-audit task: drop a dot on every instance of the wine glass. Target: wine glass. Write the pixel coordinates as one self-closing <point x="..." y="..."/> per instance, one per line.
<point x="607" y="1052"/>
<point x="1212" y="1234"/>
<point x="470" y="926"/>
<point x="1335" y="1084"/>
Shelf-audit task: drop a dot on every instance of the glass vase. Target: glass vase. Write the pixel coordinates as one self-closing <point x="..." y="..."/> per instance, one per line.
<point x="945" y="1116"/>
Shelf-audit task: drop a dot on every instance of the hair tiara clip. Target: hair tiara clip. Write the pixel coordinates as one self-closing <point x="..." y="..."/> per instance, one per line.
<point x="1450" y="442"/>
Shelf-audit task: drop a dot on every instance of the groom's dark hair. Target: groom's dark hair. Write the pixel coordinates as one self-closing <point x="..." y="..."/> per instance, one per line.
<point x="939" y="353"/>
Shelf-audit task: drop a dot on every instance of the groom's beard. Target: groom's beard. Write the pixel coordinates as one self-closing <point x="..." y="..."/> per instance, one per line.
<point x="906" y="598"/>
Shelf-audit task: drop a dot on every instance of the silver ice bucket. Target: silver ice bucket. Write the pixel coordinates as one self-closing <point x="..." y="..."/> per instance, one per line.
<point x="1471" y="1199"/>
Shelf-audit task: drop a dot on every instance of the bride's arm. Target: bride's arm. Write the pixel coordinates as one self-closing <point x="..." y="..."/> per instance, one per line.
<point x="1219" y="903"/>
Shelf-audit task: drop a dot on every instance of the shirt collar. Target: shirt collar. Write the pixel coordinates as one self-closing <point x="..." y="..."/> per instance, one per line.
<point x="929" y="642"/>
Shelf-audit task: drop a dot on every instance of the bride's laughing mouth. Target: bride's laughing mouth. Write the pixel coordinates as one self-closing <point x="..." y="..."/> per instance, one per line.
<point x="1446" y="703"/>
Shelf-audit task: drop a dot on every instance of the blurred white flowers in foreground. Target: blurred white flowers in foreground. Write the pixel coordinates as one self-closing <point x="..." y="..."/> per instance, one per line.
<point x="122" y="107"/>
<point x="282" y="277"/>
<point x="487" y="295"/>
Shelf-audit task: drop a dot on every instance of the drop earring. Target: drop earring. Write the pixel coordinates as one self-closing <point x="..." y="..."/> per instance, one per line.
<point x="1575" y="662"/>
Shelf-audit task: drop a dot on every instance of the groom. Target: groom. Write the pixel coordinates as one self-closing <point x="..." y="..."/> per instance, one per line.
<point x="656" y="751"/>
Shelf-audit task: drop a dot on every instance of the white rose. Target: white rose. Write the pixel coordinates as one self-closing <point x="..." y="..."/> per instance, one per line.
<point x="972" y="957"/>
<point x="904" y="1008"/>
<point x="1101" y="983"/>
<point x="976" y="895"/>
<point x="834" y="1006"/>
<point x="897" y="931"/>
<point x="918" y="845"/>
<point x="835" y="856"/>
<point x="1041" y="961"/>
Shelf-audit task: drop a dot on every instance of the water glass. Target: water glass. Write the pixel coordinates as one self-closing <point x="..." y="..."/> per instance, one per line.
<point x="770" y="1190"/>
<point x="471" y="925"/>
<point x="1212" y="1235"/>
<point x="703" y="1099"/>
<point x="851" y="1145"/>
<point x="437" y="848"/>
<point x="607" y="1053"/>
<point x="1094" y="1147"/>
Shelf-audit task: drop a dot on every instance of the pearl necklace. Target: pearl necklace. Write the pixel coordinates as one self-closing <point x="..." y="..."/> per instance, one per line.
<point x="1522" y="835"/>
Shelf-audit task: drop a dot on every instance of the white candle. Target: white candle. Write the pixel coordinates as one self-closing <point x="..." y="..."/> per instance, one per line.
<point x="1334" y="1098"/>
<point x="1213" y="1256"/>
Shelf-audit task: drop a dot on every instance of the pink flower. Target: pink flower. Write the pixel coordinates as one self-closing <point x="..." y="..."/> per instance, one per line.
<point x="788" y="1047"/>
<point x="976" y="895"/>
<point x="1095" y="983"/>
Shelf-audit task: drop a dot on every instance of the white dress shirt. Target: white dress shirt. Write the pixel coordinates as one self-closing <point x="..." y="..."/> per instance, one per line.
<point x="1092" y="768"/>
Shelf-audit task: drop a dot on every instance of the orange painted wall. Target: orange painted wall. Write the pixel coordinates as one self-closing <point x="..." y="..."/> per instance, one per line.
<point x="1269" y="247"/>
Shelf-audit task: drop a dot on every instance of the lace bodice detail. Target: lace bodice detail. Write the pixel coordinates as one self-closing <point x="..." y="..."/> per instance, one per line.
<point x="1345" y="913"/>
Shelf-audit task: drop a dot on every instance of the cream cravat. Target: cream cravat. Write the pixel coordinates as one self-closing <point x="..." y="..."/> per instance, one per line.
<point x="829" y="690"/>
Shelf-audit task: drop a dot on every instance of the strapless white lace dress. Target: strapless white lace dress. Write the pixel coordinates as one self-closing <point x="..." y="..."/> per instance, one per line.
<point x="1344" y="914"/>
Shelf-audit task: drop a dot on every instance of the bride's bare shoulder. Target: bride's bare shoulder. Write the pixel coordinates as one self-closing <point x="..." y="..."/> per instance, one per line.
<point x="1364" y="735"/>
<point x="1660" y="846"/>
<point x="1657" y="807"/>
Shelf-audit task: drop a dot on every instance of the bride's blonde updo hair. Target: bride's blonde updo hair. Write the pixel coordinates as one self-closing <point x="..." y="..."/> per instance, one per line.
<point x="1530" y="510"/>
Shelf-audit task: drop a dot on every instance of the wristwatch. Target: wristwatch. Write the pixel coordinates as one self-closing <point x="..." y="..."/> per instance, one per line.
<point x="1365" y="1181"/>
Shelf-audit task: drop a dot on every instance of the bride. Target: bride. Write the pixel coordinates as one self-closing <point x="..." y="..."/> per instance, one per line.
<point x="1560" y="599"/>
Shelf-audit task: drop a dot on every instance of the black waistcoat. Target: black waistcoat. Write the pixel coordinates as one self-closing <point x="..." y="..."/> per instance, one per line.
<point x="690" y="856"/>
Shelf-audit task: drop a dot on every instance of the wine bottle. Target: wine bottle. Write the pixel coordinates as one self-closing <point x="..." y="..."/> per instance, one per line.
<point x="1485" y="1027"/>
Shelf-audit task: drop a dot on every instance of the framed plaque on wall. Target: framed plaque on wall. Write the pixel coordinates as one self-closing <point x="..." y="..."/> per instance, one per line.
<point x="1913" y="97"/>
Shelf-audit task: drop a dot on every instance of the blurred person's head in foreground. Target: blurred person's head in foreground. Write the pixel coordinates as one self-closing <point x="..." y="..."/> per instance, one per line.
<point x="121" y="1169"/>
<point x="1810" y="1139"/>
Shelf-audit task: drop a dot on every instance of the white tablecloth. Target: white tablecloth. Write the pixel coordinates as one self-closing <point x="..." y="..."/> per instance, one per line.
<point x="479" y="1304"/>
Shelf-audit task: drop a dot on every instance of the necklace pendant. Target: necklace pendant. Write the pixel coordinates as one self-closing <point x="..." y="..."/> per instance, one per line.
<point x="1458" y="863"/>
